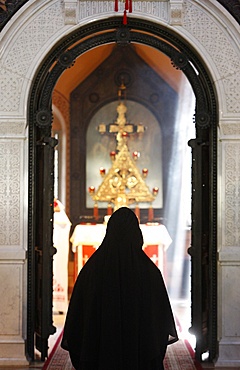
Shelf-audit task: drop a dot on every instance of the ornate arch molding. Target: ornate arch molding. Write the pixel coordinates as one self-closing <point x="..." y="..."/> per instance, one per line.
<point x="182" y="56"/>
<point x="233" y="7"/>
<point x="8" y="8"/>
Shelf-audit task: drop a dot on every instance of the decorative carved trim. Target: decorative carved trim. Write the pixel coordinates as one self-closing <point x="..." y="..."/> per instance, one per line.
<point x="230" y="129"/>
<point x="176" y="12"/>
<point x="10" y="200"/>
<point x="50" y="21"/>
<point x="66" y="59"/>
<point x="9" y="7"/>
<point x="16" y="128"/>
<point x="44" y="118"/>
<point x="225" y="59"/>
<point x="231" y="234"/>
<point x="70" y="11"/>
<point x="158" y="9"/>
<point x="232" y="86"/>
<point x="203" y="119"/>
<point x="11" y="86"/>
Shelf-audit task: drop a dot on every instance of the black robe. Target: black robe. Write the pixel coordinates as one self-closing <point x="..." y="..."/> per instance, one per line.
<point x="119" y="315"/>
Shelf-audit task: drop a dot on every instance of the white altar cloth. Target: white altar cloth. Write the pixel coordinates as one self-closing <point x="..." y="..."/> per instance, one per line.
<point x="156" y="241"/>
<point x="87" y="235"/>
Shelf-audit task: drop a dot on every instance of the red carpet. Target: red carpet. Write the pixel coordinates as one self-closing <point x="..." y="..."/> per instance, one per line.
<point x="180" y="356"/>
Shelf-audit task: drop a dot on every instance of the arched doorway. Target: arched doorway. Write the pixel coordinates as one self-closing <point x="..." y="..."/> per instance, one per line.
<point x="203" y="245"/>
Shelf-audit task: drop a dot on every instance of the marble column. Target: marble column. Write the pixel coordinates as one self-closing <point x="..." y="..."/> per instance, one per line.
<point x="229" y="254"/>
<point x="13" y="245"/>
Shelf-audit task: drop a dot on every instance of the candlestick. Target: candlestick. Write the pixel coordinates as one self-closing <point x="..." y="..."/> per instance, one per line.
<point x="150" y="213"/>
<point x="95" y="211"/>
<point x="109" y="209"/>
<point x="137" y="212"/>
<point x="145" y="172"/>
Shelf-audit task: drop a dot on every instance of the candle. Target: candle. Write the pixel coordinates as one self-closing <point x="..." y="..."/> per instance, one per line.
<point x="145" y="172"/>
<point x="102" y="171"/>
<point x="91" y="189"/>
<point x="112" y="155"/>
<point x="136" y="155"/>
<point x="155" y="191"/>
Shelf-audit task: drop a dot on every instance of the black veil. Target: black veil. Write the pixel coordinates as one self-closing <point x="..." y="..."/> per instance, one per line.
<point x="119" y="315"/>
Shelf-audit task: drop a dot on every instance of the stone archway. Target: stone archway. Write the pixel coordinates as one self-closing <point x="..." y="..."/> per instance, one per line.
<point x="27" y="40"/>
<point x="203" y="247"/>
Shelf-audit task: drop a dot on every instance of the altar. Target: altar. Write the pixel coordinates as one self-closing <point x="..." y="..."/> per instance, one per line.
<point x="87" y="238"/>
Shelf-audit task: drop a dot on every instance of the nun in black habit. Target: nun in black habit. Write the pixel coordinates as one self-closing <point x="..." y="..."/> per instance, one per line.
<point x="119" y="315"/>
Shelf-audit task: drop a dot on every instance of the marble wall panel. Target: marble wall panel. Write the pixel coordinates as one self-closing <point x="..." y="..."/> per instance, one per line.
<point x="231" y="195"/>
<point x="231" y="301"/>
<point x="11" y="299"/>
<point x="13" y="195"/>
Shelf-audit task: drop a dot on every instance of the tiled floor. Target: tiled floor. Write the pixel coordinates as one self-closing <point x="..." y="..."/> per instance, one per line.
<point x="183" y="312"/>
<point x="180" y="308"/>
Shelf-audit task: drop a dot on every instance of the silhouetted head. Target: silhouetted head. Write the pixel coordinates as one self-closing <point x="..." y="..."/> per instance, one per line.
<point x="123" y="226"/>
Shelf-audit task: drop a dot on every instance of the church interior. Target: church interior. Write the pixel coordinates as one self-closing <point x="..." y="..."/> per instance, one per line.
<point x="121" y="154"/>
<point x="104" y="109"/>
<point x="172" y="153"/>
<point x="164" y="155"/>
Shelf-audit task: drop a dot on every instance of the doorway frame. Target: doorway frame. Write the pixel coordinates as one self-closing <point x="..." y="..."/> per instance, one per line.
<point x="184" y="57"/>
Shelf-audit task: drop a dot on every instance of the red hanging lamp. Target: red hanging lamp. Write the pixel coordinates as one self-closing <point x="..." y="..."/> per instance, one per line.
<point x="127" y="9"/>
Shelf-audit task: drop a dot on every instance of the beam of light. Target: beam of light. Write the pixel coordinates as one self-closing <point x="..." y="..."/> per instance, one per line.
<point x="178" y="204"/>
